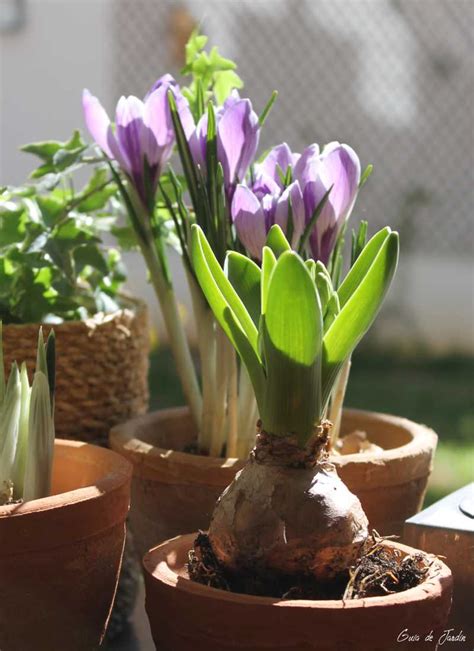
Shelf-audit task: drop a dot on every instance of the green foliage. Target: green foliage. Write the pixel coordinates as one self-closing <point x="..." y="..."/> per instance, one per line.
<point x="27" y="426"/>
<point x="306" y="328"/>
<point x="211" y="74"/>
<point x="53" y="263"/>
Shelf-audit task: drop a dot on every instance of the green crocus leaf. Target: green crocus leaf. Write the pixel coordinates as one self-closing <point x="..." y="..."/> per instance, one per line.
<point x="292" y="339"/>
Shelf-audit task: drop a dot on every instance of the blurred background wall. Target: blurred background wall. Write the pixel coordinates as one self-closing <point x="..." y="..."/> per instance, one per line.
<point x="392" y="78"/>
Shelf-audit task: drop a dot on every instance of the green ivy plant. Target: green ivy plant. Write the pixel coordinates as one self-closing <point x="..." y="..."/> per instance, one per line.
<point x="54" y="265"/>
<point x="211" y="74"/>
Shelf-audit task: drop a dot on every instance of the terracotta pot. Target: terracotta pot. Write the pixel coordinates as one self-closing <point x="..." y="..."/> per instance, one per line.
<point x="174" y="492"/>
<point x="101" y="372"/>
<point x="185" y="615"/>
<point x="391" y="484"/>
<point x="60" y="556"/>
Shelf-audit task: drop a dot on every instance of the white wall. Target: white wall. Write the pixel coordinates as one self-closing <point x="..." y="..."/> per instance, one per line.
<point x="61" y="48"/>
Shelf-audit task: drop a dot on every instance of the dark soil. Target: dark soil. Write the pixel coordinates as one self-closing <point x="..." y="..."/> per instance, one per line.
<point x="379" y="571"/>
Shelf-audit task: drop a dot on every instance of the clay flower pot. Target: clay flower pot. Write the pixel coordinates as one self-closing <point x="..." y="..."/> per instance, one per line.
<point x="102" y="368"/>
<point x="174" y="492"/>
<point x="60" y="556"/>
<point x="186" y="615"/>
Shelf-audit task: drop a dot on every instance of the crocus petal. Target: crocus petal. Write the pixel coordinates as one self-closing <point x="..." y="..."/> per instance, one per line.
<point x="237" y="140"/>
<point x="130" y="132"/>
<point x="197" y="143"/>
<point x="340" y="167"/>
<point x="294" y="195"/>
<point x="249" y="220"/>
<point x="278" y="157"/>
<point x="166" y="80"/>
<point x="97" y="121"/>
<point x="306" y="168"/>
<point x="265" y="184"/>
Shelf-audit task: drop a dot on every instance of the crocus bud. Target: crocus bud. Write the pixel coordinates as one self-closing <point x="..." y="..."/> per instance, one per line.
<point x="238" y="133"/>
<point x="338" y="167"/>
<point x="255" y="211"/>
<point x="143" y="138"/>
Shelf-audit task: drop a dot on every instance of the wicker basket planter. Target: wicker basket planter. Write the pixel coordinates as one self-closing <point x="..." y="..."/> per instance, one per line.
<point x="102" y="368"/>
<point x="175" y="492"/>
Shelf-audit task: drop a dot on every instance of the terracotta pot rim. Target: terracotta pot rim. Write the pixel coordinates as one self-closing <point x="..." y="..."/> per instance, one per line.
<point x="123" y="437"/>
<point x="115" y="479"/>
<point x="137" y="305"/>
<point x="157" y="568"/>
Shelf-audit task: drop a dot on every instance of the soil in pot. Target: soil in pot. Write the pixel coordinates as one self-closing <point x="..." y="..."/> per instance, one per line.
<point x="379" y="570"/>
<point x="186" y="615"/>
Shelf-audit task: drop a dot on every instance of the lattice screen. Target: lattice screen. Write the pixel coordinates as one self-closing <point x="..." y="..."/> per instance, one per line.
<point x="393" y="78"/>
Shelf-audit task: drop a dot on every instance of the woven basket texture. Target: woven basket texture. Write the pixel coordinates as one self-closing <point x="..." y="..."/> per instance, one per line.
<point x="101" y="369"/>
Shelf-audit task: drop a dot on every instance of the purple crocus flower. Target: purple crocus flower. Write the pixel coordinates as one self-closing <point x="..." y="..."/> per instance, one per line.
<point x="238" y="133"/>
<point x="276" y="163"/>
<point x="255" y="211"/>
<point x="143" y="138"/>
<point x="337" y="166"/>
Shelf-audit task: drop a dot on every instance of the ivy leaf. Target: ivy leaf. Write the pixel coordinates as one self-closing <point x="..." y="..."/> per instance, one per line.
<point x="224" y="83"/>
<point x="89" y="255"/>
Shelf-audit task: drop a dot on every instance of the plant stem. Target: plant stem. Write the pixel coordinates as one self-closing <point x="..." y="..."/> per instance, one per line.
<point x="220" y="401"/>
<point x="232" y="410"/>
<point x="335" y="412"/>
<point x="247" y="415"/>
<point x="174" y="326"/>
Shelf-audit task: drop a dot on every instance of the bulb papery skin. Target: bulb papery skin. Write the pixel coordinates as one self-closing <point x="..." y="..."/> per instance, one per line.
<point x="288" y="520"/>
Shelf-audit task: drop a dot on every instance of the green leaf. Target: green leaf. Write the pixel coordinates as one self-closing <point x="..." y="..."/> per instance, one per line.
<point x="64" y="158"/>
<point x="292" y="340"/>
<point x="12" y="225"/>
<point x="195" y="44"/>
<point x="268" y="107"/>
<point x="51" y="208"/>
<point x="359" y="240"/>
<point x="245" y="277"/>
<point x="365" y="175"/>
<point x="95" y="195"/>
<point x="268" y="265"/>
<point x="184" y="152"/>
<point x="362" y="265"/>
<point x="40" y="441"/>
<point x="359" y="310"/>
<point x="89" y="255"/>
<point x="44" y="150"/>
<point x="224" y="83"/>
<point x="277" y="241"/>
<point x="312" y="222"/>
<point x="9" y="424"/>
